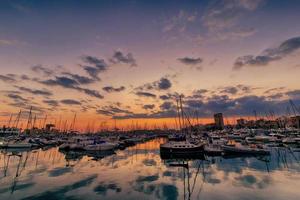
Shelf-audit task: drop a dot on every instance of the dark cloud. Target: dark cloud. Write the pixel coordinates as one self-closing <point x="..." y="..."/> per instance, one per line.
<point x="93" y="72"/>
<point x="120" y="57"/>
<point x="42" y="70"/>
<point x="24" y="103"/>
<point x="145" y="94"/>
<point x="284" y="49"/>
<point x="94" y="66"/>
<point x="238" y="89"/>
<point x="148" y="106"/>
<point x="93" y="93"/>
<point x="70" y="83"/>
<point x="166" y="106"/>
<point x="190" y="61"/>
<point x="110" y="89"/>
<point x="194" y="104"/>
<point x="164" y="84"/>
<point x="96" y="62"/>
<point x="43" y="92"/>
<point x="230" y="90"/>
<point x="156" y="115"/>
<point x="24" y="77"/>
<point x="164" y="97"/>
<point x="293" y="93"/>
<point x="17" y="97"/>
<point x="242" y="106"/>
<point x="80" y="79"/>
<point x="61" y="81"/>
<point x="169" y="96"/>
<point x="112" y="110"/>
<point x="9" y="78"/>
<point x="50" y="102"/>
<point x="198" y="94"/>
<point x="70" y="102"/>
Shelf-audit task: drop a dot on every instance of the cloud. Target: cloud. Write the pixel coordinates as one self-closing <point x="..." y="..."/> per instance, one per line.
<point x="93" y="93"/>
<point x="162" y="84"/>
<point x="110" y="89"/>
<point x="42" y="70"/>
<point x="16" y="97"/>
<point x="206" y="107"/>
<point x="8" y="42"/>
<point x="179" y="22"/>
<point x="223" y="19"/>
<point x="164" y="97"/>
<point x="43" y="92"/>
<point x="120" y="57"/>
<point x="80" y="79"/>
<point x="93" y="66"/>
<point x="145" y="94"/>
<point x="148" y="106"/>
<point x="21" y="102"/>
<point x="166" y="106"/>
<point x="70" y="83"/>
<point x="272" y="54"/>
<point x="112" y="110"/>
<point x="70" y="102"/>
<point x="156" y="115"/>
<point x="224" y="14"/>
<point x="24" y="77"/>
<point x="190" y="61"/>
<point x="50" y="102"/>
<point x="293" y="93"/>
<point x="61" y="81"/>
<point x="169" y="96"/>
<point x="9" y="78"/>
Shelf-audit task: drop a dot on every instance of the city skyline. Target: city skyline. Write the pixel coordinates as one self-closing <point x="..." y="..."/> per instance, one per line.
<point x="129" y="60"/>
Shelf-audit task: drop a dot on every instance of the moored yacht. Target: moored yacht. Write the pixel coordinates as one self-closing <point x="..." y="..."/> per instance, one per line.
<point x="181" y="147"/>
<point x="245" y="149"/>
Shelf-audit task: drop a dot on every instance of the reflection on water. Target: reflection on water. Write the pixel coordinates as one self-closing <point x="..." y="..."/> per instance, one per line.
<point x="139" y="173"/>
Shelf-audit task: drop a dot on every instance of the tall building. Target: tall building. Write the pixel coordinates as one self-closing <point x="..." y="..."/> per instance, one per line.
<point x="219" y="121"/>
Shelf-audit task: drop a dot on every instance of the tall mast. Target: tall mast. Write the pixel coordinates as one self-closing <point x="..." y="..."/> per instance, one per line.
<point x="34" y="121"/>
<point x="9" y="120"/>
<point x="16" y="123"/>
<point x="44" y="124"/>
<point x="29" y="119"/>
<point x="180" y="103"/>
<point x="59" y="124"/>
<point x="178" y="113"/>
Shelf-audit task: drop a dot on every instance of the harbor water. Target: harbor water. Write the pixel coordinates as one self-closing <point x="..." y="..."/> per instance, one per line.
<point x="139" y="172"/>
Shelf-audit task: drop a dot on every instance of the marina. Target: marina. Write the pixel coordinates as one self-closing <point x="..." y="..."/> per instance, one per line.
<point x="149" y="100"/>
<point x="139" y="172"/>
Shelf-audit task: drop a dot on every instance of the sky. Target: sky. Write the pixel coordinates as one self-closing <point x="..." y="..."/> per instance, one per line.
<point x="125" y="62"/>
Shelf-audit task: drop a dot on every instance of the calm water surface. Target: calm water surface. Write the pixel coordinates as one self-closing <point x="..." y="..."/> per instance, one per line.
<point x="140" y="173"/>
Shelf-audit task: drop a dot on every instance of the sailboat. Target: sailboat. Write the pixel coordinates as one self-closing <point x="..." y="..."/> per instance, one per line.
<point x="181" y="147"/>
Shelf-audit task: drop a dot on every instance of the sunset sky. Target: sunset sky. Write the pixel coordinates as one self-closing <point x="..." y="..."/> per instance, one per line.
<point x="129" y="60"/>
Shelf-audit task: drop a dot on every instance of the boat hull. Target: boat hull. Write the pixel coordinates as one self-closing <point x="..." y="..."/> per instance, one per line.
<point x="191" y="150"/>
<point x="233" y="150"/>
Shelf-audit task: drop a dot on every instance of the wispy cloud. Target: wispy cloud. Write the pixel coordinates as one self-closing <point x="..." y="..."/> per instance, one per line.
<point x="269" y="55"/>
<point x="111" y="89"/>
<point x="122" y="58"/>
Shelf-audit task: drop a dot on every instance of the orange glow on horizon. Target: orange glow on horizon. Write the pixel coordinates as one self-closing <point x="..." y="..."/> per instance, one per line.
<point x="94" y="124"/>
